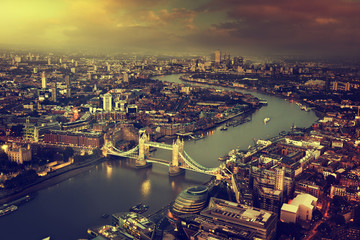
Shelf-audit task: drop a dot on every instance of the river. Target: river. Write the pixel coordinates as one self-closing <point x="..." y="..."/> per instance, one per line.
<point x="65" y="211"/>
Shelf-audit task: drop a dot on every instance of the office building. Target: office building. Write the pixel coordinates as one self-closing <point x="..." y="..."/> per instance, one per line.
<point x="261" y="222"/>
<point x="68" y="86"/>
<point x="93" y="140"/>
<point x="107" y="102"/>
<point x="300" y="207"/>
<point x="125" y="77"/>
<point x="43" y="80"/>
<point x="217" y="57"/>
<point x="269" y="199"/>
<point x="279" y="178"/>
<point x="53" y="92"/>
<point x="190" y="201"/>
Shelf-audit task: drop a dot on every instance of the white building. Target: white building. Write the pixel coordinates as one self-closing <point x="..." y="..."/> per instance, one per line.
<point x="300" y="207"/>
<point x="18" y="154"/>
<point x="107" y="102"/>
<point x="43" y="80"/>
<point x="289" y="213"/>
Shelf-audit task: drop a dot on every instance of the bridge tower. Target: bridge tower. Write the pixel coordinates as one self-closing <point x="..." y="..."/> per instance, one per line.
<point x="177" y="161"/>
<point x="143" y="150"/>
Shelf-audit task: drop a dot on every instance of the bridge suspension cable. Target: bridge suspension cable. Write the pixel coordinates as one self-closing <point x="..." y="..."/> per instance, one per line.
<point x="196" y="166"/>
<point x="130" y="153"/>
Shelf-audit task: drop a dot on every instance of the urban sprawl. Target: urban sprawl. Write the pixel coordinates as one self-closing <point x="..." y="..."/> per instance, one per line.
<point x="61" y="112"/>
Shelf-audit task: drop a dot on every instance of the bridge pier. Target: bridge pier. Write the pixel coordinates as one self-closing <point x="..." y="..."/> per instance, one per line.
<point x="175" y="171"/>
<point x="174" y="167"/>
<point x="143" y="150"/>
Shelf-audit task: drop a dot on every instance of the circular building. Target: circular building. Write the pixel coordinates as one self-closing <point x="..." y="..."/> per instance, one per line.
<point x="190" y="201"/>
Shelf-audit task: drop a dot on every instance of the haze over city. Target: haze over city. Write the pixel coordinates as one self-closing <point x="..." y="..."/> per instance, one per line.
<point x="310" y="28"/>
<point x="180" y="119"/>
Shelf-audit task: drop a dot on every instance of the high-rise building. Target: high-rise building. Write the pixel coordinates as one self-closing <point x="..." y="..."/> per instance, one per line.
<point x="217" y="57"/>
<point x="279" y="179"/>
<point x="43" y="80"/>
<point x="17" y="59"/>
<point x="68" y="86"/>
<point x="260" y="222"/>
<point x="107" y="102"/>
<point x="125" y="77"/>
<point x="53" y="92"/>
<point x="238" y="61"/>
<point x="335" y="86"/>
<point x="347" y="86"/>
<point x="226" y="56"/>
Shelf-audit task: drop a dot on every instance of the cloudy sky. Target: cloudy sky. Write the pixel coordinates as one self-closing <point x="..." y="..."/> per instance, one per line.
<point x="307" y="27"/>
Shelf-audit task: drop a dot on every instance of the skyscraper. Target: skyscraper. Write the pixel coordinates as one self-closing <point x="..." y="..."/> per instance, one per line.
<point x="279" y="179"/>
<point x="125" y="77"/>
<point x="43" y="80"/>
<point x="227" y="56"/>
<point x="68" y="86"/>
<point x="53" y="91"/>
<point x="107" y="102"/>
<point x="217" y="57"/>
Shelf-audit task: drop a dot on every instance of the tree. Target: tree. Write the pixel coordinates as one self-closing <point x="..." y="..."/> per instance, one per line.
<point x="330" y="179"/>
<point x="25" y="178"/>
<point x="338" y="204"/>
<point x="317" y="215"/>
<point x="68" y="152"/>
<point x="324" y="228"/>
<point x="338" y="219"/>
<point x="16" y="130"/>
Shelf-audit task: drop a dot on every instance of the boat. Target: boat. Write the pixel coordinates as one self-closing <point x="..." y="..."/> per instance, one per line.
<point x="266" y="120"/>
<point x="105" y="215"/>
<point x="283" y="133"/>
<point x="19" y="201"/>
<point x="8" y="210"/>
<point x="223" y="128"/>
<point x="198" y="137"/>
<point x="139" y="208"/>
<point x="263" y="101"/>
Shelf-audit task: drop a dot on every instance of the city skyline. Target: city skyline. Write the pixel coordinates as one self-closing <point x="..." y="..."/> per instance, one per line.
<point x="310" y="28"/>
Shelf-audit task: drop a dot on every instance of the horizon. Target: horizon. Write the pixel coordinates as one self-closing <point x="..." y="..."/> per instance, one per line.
<point x="325" y="28"/>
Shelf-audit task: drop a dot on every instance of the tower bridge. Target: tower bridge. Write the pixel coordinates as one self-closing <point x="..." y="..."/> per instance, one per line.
<point x="179" y="162"/>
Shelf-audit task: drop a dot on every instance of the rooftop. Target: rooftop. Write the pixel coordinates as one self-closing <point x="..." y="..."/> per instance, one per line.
<point x="237" y="213"/>
<point x="289" y="208"/>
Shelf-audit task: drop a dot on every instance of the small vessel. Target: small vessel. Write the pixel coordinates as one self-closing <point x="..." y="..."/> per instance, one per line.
<point x="223" y="128"/>
<point x="198" y="137"/>
<point x="139" y="208"/>
<point x="105" y="215"/>
<point x="8" y="210"/>
<point x="263" y="101"/>
<point x="266" y="120"/>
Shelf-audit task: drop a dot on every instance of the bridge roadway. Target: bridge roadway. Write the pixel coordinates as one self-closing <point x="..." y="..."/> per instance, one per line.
<point x="190" y="163"/>
<point x="159" y="145"/>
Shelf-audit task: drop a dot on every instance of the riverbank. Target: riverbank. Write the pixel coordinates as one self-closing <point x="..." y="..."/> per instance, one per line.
<point x="318" y="113"/>
<point x="50" y="180"/>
